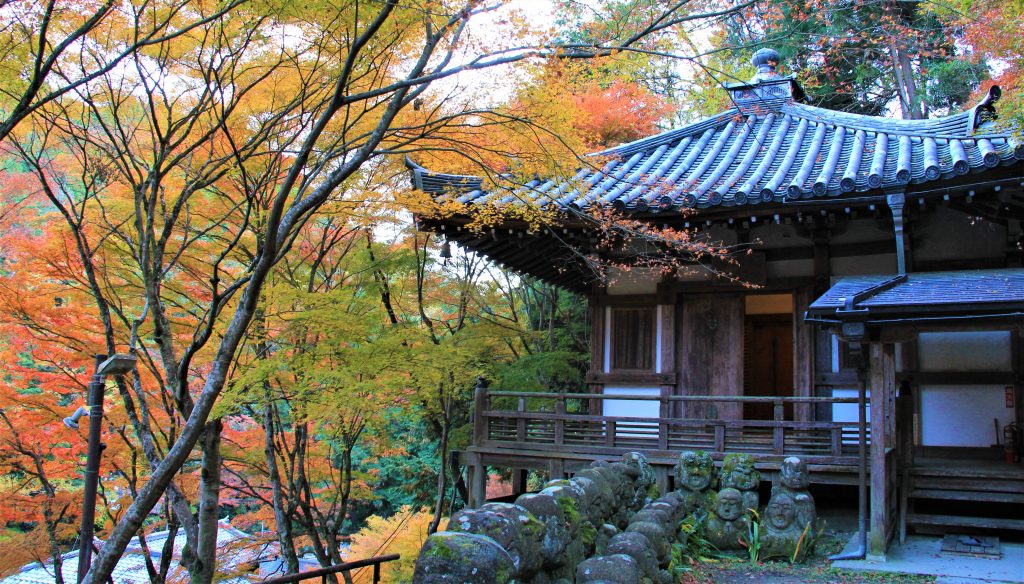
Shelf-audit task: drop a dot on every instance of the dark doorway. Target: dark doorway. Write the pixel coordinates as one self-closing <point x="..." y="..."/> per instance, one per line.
<point x="768" y="363"/>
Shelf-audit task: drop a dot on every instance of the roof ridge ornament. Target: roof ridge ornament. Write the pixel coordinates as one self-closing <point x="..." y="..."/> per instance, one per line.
<point x="766" y="61"/>
<point x="767" y="91"/>
<point x="985" y="110"/>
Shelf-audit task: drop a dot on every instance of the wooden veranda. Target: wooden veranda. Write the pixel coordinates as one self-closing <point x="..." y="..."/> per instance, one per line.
<point x="561" y="432"/>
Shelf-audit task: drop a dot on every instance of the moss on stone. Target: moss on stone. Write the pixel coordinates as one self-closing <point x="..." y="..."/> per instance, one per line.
<point x="588" y="533"/>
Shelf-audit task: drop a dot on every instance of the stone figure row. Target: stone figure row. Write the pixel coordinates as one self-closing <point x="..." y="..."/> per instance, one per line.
<point x="544" y="537"/>
<point x="607" y="524"/>
<point x="789" y="518"/>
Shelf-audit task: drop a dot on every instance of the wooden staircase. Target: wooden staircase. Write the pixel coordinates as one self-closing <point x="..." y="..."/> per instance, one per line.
<point x="955" y="491"/>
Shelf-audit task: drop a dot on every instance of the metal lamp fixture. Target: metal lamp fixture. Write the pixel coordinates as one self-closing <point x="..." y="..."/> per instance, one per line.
<point x="116" y="365"/>
<point x="72" y="420"/>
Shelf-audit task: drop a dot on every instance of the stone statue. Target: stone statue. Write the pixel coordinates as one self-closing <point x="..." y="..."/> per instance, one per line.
<point x="795" y="478"/>
<point x="695" y="474"/>
<point x="738" y="472"/>
<point x="729" y="521"/>
<point x="781" y="530"/>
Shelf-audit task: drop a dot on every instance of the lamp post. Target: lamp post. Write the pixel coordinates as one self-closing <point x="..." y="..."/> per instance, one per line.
<point x="116" y="365"/>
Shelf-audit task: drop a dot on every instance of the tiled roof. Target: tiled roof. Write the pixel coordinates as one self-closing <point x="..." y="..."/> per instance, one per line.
<point x="961" y="291"/>
<point x="770" y="147"/>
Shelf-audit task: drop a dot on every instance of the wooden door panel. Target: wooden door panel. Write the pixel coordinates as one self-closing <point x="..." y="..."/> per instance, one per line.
<point x="710" y="342"/>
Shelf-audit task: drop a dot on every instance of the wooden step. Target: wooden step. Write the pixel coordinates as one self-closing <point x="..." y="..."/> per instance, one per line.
<point x="968" y="484"/>
<point x="965" y="521"/>
<point x="949" y="495"/>
<point x="1009" y="472"/>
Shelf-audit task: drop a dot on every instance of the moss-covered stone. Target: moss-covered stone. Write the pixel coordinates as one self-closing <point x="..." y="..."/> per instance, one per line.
<point x="659" y="537"/>
<point x="617" y="569"/>
<point x="636" y="546"/>
<point x="455" y="558"/>
<point x="512" y="526"/>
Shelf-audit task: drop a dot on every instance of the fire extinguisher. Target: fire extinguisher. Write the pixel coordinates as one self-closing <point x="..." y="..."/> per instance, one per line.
<point x="1011" y="440"/>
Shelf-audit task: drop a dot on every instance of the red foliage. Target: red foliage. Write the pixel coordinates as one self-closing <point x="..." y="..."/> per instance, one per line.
<point x="619" y="113"/>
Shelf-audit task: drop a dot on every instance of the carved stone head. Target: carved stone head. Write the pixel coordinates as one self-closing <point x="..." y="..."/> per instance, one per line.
<point x="729" y="505"/>
<point x="695" y="471"/>
<point x="781" y="511"/>
<point x="738" y="472"/>
<point x="794" y="473"/>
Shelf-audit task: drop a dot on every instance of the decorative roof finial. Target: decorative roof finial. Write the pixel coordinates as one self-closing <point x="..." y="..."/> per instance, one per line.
<point x="766" y="60"/>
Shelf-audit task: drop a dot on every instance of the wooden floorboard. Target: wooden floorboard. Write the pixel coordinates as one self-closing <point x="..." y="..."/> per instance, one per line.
<point x="955" y="495"/>
<point x="959" y="521"/>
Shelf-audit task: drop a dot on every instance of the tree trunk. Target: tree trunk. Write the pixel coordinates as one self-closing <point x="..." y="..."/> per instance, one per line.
<point x="281" y="518"/>
<point x="460" y="483"/>
<point x="442" y="482"/>
<point x="203" y="567"/>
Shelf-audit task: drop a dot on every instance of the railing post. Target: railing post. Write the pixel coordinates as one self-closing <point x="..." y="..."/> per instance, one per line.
<point x="480" y="406"/>
<point x="719" y="435"/>
<point x="560" y="420"/>
<point x="376" y="573"/>
<point x="609" y="433"/>
<point x="521" y="422"/>
<point x="837" y="441"/>
<point x="780" y="416"/>
<point x="662" y="424"/>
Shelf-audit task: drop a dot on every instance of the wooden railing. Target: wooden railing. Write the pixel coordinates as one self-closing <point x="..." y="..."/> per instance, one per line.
<point x="328" y="574"/>
<point x="575" y="421"/>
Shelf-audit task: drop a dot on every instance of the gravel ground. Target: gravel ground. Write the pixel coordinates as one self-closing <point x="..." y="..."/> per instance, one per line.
<point x="816" y="570"/>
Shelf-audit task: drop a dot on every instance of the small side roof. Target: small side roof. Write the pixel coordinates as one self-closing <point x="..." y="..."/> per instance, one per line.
<point x="921" y="297"/>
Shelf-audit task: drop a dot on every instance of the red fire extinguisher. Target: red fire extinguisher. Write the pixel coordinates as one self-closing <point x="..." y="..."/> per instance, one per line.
<point x="1011" y="442"/>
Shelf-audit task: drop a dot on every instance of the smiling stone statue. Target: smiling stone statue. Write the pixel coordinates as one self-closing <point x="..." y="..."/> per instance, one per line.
<point x="795" y="478"/>
<point x="695" y="475"/>
<point x="782" y="531"/>
<point x="738" y="472"/>
<point x="729" y="521"/>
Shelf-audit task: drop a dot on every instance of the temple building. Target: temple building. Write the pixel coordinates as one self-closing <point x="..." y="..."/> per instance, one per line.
<point x="885" y="258"/>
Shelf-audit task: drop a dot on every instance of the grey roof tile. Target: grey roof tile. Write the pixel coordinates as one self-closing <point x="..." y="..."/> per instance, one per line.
<point x="770" y="147"/>
<point x="930" y="289"/>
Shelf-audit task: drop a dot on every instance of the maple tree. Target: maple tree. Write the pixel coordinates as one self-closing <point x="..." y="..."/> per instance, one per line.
<point x="41" y="52"/>
<point x="182" y="190"/>
<point x="402" y="533"/>
<point x="992" y="28"/>
<point x="621" y="112"/>
<point x="858" y="56"/>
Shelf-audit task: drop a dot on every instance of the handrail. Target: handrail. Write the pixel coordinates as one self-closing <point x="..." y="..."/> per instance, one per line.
<point x="514" y="424"/>
<point x="323" y="573"/>
<point x="682" y="398"/>
<point x="796" y="424"/>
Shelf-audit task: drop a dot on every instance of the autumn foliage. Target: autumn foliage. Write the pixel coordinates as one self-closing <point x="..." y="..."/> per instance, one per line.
<point x="620" y="112"/>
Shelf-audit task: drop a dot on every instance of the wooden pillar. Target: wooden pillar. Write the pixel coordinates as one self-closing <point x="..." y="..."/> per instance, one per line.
<point x="556" y="469"/>
<point x="520" y="477"/>
<point x="803" y="355"/>
<point x="477" y="476"/>
<point x="661" y="478"/>
<point x="598" y="340"/>
<point x="881" y="379"/>
<point x="667" y="340"/>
